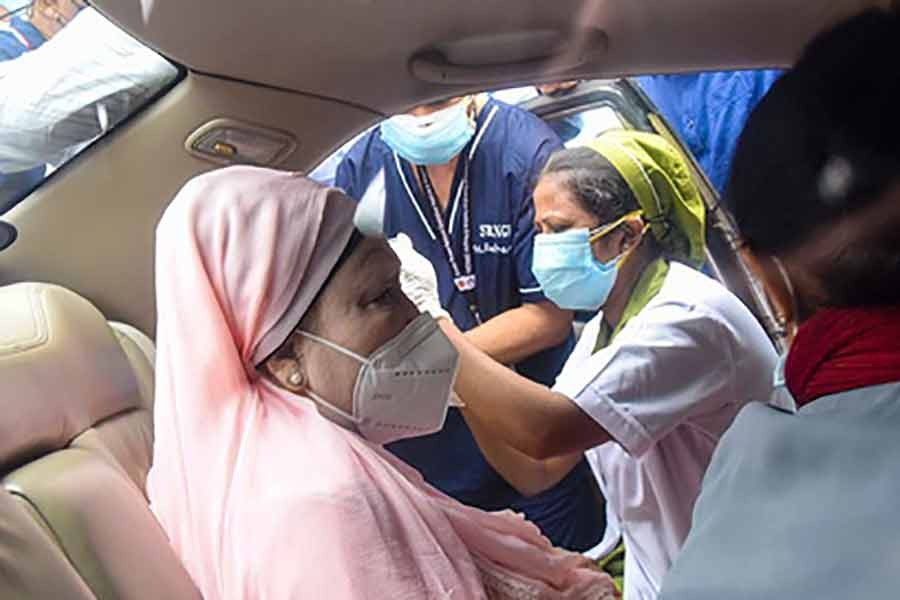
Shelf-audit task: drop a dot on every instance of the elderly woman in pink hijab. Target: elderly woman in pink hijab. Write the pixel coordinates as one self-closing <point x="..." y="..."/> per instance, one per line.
<point x="287" y="354"/>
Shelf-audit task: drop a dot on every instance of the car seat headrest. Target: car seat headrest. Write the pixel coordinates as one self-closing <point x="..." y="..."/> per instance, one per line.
<point x="62" y="370"/>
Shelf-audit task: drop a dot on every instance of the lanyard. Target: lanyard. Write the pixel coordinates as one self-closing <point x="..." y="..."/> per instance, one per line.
<point x="463" y="278"/>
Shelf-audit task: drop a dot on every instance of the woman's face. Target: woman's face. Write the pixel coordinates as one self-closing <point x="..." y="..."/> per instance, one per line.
<point x="556" y="210"/>
<point x="360" y="309"/>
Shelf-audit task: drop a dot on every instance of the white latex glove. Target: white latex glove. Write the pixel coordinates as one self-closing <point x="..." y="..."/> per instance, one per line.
<point x="417" y="278"/>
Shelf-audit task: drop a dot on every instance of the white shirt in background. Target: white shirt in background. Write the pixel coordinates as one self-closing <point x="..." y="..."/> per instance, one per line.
<point x="72" y="89"/>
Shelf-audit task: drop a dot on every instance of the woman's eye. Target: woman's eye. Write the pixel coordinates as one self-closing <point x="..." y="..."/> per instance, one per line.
<point x="388" y="296"/>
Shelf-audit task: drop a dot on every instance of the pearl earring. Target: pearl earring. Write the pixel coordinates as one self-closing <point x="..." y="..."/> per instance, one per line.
<point x="295" y="378"/>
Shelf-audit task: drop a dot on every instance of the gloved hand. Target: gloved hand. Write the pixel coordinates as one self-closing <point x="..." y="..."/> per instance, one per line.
<point x="417" y="277"/>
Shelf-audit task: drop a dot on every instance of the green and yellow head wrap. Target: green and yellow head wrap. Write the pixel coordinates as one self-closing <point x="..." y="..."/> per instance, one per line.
<point x="662" y="184"/>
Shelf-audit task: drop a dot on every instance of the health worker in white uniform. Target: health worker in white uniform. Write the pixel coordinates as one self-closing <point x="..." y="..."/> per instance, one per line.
<point x="658" y="374"/>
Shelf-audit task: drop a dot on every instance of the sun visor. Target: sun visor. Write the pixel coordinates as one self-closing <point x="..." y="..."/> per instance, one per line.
<point x="508" y="57"/>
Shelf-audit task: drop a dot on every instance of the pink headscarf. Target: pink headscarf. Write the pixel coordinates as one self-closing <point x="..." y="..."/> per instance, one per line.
<point x="262" y="497"/>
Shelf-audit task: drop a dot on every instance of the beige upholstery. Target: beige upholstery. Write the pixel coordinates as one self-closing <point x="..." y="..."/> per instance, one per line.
<point x="75" y="447"/>
<point x="31" y="565"/>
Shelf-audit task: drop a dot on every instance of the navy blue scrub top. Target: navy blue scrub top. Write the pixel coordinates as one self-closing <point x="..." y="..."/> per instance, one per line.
<point x="507" y="152"/>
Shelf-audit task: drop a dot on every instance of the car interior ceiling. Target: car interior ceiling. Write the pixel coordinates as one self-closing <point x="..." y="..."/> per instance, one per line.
<point x="90" y="226"/>
<point x="88" y="231"/>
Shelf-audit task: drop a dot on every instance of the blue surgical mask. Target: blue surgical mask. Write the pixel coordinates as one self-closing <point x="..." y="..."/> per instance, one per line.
<point x="570" y="276"/>
<point x="565" y="266"/>
<point x="430" y="139"/>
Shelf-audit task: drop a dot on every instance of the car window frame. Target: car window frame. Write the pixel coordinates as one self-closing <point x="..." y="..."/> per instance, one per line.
<point x="181" y="73"/>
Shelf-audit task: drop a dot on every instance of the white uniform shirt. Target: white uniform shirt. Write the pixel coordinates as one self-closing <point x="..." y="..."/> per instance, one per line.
<point x="666" y="389"/>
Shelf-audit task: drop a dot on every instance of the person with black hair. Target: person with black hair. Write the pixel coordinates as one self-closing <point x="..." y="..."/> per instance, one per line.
<point x="656" y="376"/>
<point x="802" y="504"/>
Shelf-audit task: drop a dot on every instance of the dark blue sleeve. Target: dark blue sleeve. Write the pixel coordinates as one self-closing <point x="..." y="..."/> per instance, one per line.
<point x="727" y="123"/>
<point x="708" y="111"/>
<point x="538" y="143"/>
<point x="359" y="166"/>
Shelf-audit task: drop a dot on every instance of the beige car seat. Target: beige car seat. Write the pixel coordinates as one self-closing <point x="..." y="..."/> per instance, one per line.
<point x="75" y="447"/>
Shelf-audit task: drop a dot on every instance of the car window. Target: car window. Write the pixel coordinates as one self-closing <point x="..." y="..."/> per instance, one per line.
<point x="67" y="80"/>
<point x="585" y="125"/>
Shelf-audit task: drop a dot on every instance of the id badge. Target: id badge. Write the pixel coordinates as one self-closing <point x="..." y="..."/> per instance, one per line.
<point x="465" y="283"/>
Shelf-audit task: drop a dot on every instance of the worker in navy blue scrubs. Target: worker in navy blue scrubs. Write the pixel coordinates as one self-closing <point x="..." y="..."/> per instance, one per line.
<point x="456" y="177"/>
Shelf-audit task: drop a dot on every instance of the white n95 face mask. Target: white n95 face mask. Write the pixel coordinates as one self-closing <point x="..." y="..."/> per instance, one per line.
<point x="403" y="388"/>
